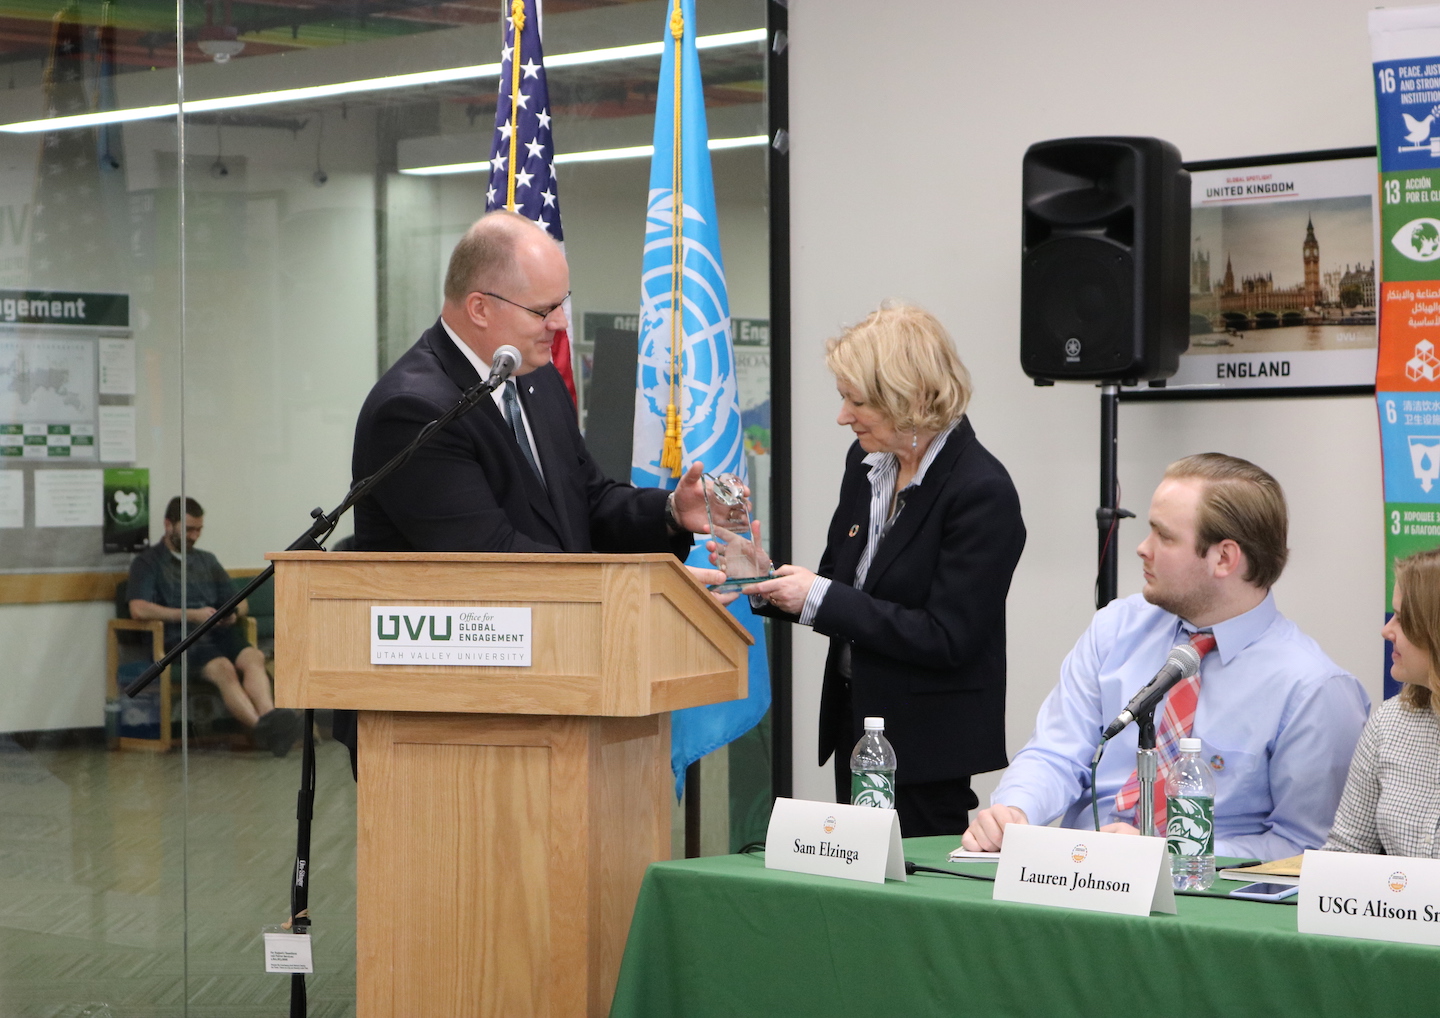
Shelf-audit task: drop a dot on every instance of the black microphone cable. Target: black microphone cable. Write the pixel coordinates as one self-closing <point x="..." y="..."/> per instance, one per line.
<point x="912" y="868"/>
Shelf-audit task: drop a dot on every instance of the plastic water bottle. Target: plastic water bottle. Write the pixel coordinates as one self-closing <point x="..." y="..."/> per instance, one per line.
<point x="1190" y="819"/>
<point x="872" y="768"/>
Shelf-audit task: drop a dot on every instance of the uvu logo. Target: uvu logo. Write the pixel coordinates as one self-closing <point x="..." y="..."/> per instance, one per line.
<point x="414" y="626"/>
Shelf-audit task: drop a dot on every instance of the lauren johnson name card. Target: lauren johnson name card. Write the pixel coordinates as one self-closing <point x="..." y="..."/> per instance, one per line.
<point x="1087" y="870"/>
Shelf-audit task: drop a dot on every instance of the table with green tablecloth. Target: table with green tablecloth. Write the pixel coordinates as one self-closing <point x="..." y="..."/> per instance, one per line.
<point x="724" y="936"/>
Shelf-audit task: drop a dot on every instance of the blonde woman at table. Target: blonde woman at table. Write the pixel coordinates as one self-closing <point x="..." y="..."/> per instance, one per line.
<point x="1391" y="802"/>
<point x="911" y="587"/>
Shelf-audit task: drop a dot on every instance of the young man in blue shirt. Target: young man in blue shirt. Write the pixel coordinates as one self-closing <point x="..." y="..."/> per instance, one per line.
<point x="1277" y="719"/>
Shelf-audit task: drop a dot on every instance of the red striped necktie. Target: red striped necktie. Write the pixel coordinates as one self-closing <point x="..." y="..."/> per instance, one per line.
<point x="1176" y="721"/>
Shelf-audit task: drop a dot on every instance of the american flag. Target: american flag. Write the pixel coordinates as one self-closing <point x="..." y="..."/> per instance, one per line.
<point x="522" y="156"/>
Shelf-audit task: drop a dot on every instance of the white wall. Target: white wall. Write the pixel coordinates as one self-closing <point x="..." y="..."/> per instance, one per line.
<point x="907" y="137"/>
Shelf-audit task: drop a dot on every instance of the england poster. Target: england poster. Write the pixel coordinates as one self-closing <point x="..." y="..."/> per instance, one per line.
<point x="1282" y="277"/>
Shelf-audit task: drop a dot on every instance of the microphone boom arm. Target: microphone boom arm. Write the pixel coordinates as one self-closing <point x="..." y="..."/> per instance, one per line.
<point x="324" y="524"/>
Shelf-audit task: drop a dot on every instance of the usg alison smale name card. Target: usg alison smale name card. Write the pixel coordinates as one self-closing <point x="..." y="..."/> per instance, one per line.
<point x="834" y="840"/>
<point x="1371" y="897"/>
<point x="1087" y="870"/>
<point x="408" y="634"/>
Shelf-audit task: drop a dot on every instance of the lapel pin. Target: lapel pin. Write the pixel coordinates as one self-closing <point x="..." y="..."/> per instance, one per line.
<point x="532" y="390"/>
<point x="854" y="529"/>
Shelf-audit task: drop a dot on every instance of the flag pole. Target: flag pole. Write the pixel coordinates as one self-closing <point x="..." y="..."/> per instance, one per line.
<point x="671" y="455"/>
<point x="777" y="87"/>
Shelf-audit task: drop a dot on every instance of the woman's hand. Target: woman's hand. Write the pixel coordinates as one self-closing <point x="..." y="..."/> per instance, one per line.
<point x="787" y="591"/>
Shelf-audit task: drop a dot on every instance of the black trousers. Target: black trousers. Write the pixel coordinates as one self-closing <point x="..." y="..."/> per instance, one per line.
<point x="935" y="807"/>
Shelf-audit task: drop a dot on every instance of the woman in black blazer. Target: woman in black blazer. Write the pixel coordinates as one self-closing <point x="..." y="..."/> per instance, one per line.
<point x="911" y="588"/>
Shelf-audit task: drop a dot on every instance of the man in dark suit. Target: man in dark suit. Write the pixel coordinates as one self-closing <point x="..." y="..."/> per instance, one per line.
<point x="513" y="474"/>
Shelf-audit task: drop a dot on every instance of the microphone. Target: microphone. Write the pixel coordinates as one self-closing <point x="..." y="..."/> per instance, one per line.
<point x="502" y="366"/>
<point x="1183" y="662"/>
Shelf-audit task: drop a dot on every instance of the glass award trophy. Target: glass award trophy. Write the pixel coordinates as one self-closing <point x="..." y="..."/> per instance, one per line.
<point x="738" y="554"/>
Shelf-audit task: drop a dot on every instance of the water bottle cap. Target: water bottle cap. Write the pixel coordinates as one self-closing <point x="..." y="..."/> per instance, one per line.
<point x="874" y="724"/>
<point x="1189" y="745"/>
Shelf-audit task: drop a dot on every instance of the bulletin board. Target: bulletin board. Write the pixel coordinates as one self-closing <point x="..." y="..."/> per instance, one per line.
<point x="73" y="503"/>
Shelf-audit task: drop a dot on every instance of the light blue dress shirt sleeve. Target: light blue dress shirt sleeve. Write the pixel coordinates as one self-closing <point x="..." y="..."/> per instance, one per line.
<point x="1052" y="772"/>
<point x="1308" y="762"/>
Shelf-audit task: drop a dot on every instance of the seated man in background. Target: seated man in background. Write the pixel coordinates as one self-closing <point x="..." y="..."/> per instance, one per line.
<point x="1277" y="718"/>
<point x="222" y="656"/>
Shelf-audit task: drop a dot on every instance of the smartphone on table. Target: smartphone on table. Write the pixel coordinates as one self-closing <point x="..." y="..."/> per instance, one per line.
<point x="1265" y="891"/>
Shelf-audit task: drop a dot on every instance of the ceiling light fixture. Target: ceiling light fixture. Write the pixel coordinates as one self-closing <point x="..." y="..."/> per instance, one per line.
<point x="593" y="156"/>
<point x="394" y="81"/>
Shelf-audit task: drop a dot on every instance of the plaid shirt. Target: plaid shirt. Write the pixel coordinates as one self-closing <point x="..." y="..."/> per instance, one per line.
<point x="1391" y="802"/>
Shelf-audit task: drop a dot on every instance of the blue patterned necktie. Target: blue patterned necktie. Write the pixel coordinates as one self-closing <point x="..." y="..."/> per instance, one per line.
<point x="517" y="424"/>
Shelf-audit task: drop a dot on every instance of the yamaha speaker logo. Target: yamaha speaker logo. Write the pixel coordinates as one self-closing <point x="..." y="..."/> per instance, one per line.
<point x="1072" y="350"/>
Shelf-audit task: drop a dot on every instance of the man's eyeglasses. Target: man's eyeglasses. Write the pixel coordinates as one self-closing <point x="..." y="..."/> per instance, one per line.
<point x="537" y="312"/>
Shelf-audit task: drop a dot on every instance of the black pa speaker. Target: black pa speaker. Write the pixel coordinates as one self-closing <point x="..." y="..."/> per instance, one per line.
<point x="1105" y="282"/>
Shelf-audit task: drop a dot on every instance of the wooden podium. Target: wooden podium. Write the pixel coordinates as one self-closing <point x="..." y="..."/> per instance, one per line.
<point x="506" y="814"/>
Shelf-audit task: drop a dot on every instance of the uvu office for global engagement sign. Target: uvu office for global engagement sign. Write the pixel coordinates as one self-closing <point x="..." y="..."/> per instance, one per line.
<point x="403" y="634"/>
<point x="54" y="307"/>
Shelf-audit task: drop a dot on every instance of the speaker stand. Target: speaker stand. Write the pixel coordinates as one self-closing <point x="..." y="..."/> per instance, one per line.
<point x="1109" y="515"/>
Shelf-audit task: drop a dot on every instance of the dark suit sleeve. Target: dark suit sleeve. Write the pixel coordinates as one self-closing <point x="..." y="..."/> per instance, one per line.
<point x="440" y="499"/>
<point x="982" y="538"/>
<point x="625" y="518"/>
<point x="622" y="516"/>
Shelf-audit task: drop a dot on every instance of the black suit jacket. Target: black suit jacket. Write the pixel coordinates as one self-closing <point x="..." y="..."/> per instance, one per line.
<point x="470" y="489"/>
<point x="928" y="628"/>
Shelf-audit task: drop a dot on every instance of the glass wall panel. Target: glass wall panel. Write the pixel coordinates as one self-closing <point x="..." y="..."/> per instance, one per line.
<point x="198" y="307"/>
<point x="91" y="840"/>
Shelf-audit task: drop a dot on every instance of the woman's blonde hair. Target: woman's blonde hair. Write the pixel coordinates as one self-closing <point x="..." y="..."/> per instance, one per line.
<point x="901" y="361"/>
<point x="1418" y="577"/>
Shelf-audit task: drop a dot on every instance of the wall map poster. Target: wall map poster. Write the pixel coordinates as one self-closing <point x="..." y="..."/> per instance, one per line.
<point x="1282" y="276"/>
<point x="47" y="398"/>
<point x="1406" y="51"/>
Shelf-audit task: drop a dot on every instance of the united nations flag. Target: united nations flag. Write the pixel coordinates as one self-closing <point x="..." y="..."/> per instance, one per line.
<point x="687" y="400"/>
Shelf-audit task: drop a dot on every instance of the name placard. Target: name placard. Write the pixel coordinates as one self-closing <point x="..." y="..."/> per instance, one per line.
<point x="834" y="840"/>
<point x="408" y="634"/>
<point x="1372" y="897"/>
<point x="1087" y="870"/>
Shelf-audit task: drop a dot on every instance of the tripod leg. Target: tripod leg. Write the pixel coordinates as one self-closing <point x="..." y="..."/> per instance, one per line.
<point x="300" y="886"/>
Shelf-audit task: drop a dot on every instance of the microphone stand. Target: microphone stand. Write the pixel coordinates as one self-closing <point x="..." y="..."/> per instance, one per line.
<point x="314" y="540"/>
<point x="1147" y="759"/>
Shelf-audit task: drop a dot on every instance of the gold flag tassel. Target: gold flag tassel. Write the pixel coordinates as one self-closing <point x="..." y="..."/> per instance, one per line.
<point x="517" y="17"/>
<point x="670" y="456"/>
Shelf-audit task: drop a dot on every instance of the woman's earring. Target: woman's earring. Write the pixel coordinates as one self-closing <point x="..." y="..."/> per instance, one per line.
<point x="914" y="438"/>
